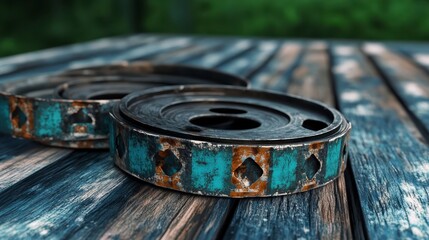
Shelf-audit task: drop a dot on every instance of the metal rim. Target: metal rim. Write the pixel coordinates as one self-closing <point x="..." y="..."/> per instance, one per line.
<point x="224" y="168"/>
<point x="84" y="120"/>
<point x="289" y="113"/>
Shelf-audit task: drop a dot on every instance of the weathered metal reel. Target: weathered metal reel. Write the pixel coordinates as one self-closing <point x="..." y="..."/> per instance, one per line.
<point x="228" y="141"/>
<point x="71" y="109"/>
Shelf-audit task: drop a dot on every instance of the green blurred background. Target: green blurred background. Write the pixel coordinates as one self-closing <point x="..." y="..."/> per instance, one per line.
<point x="36" y="24"/>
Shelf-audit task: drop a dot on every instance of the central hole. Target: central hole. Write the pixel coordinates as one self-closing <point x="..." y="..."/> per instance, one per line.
<point x="314" y="125"/>
<point x="225" y="122"/>
<point x="228" y="110"/>
<point x="107" y="96"/>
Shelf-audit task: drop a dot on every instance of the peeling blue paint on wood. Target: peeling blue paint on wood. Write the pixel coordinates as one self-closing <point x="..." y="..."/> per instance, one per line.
<point x="387" y="159"/>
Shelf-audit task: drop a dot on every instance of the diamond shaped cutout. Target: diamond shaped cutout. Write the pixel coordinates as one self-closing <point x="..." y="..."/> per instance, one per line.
<point x="248" y="172"/>
<point x="20" y="116"/>
<point x="80" y="117"/>
<point x="312" y="166"/>
<point x="169" y="163"/>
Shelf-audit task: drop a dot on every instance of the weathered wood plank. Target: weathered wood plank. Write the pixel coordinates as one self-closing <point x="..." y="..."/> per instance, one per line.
<point x="231" y="51"/>
<point x="279" y="71"/>
<point x="20" y="158"/>
<point x="198" y="217"/>
<point x="320" y="213"/>
<point x="422" y="59"/>
<point x="55" y="200"/>
<point x="250" y="62"/>
<point x="389" y="164"/>
<point x="119" y="196"/>
<point x="130" y="54"/>
<point x="409" y="82"/>
<point x="189" y="53"/>
<point x="13" y="64"/>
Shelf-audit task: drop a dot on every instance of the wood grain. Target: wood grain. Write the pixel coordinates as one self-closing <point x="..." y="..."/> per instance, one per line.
<point x="228" y="53"/>
<point x="189" y="53"/>
<point x="251" y="61"/>
<point x="121" y="201"/>
<point x="276" y="76"/>
<point x="112" y="197"/>
<point x="389" y="164"/>
<point x="409" y="82"/>
<point x="59" y="193"/>
<point x="320" y="213"/>
<point x="20" y="158"/>
<point x="141" y="51"/>
<point x="13" y="64"/>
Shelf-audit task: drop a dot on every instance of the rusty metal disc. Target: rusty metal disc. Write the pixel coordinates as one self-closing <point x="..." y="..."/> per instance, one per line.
<point x="71" y="109"/>
<point x="228" y="141"/>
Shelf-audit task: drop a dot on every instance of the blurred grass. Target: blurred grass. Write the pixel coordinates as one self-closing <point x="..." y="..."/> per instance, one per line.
<point x="45" y="23"/>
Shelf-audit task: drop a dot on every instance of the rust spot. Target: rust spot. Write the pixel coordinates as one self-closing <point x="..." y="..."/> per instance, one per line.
<point x="22" y="116"/>
<point x="85" y="144"/>
<point x="80" y="129"/>
<point x="168" y="164"/>
<point x="309" y="185"/>
<point x="80" y="104"/>
<point x="316" y="146"/>
<point x="170" y="141"/>
<point x="250" y="166"/>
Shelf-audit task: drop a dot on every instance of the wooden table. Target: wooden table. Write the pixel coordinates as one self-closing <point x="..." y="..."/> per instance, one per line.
<point x="383" y="89"/>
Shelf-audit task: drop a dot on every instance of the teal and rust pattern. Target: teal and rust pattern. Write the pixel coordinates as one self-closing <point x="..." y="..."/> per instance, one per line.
<point x="71" y="109"/>
<point x="227" y="170"/>
<point x="55" y="122"/>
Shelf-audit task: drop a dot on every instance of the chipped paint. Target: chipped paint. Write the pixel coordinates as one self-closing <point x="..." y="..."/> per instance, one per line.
<point x="284" y="169"/>
<point x="244" y="187"/>
<point x="211" y="169"/>
<point x="333" y="159"/>
<point x="225" y="170"/>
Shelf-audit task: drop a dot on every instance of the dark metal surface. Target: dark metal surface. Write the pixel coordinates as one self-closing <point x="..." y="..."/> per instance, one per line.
<point x="228" y="141"/>
<point x="71" y="109"/>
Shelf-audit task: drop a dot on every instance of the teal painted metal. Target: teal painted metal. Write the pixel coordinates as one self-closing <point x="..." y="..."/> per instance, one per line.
<point x="5" y="125"/>
<point x="334" y="157"/>
<point x="211" y="170"/>
<point x="72" y="109"/>
<point x="139" y="157"/>
<point x="284" y="168"/>
<point x="48" y="122"/>
<point x="223" y="168"/>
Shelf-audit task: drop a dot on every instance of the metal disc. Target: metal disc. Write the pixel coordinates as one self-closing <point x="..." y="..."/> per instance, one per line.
<point x="228" y="141"/>
<point x="71" y="109"/>
<point x="114" y="82"/>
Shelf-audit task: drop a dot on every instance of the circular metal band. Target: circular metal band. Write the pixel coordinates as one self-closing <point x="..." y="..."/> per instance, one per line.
<point x="71" y="109"/>
<point x="228" y="141"/>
